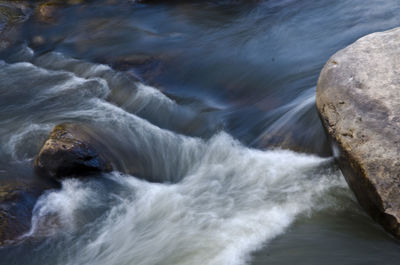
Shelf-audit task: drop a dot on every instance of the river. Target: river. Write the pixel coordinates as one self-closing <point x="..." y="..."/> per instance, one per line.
<point x="213" y="102"/>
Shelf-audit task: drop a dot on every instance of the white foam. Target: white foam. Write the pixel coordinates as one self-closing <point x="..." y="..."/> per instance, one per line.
<point x="55" y="211"/>
<point x="232" y="201"/>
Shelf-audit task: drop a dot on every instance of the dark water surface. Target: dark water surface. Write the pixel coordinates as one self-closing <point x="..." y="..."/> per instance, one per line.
<point x="197" y="96"/>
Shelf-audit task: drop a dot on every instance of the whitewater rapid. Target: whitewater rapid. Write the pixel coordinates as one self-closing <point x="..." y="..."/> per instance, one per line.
<point x="218" y="200"/>
<point x="231" y="202"/>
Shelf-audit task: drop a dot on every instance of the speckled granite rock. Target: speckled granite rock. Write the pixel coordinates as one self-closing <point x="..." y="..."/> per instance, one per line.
<point x="358" y="99"/>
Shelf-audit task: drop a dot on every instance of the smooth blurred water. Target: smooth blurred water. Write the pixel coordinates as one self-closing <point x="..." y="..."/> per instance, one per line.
<point x="193" y="98"/>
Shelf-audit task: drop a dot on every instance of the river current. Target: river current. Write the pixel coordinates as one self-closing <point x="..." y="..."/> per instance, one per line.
<point x="214" y="104"/>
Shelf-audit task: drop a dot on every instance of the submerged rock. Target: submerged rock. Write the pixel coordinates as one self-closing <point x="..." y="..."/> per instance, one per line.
<point x="70" y="152"/>
<point x="16" y="203"/>
<point x="358" y="99"/>
<point x="12" y="14"/>
<point x="47" y="11"/>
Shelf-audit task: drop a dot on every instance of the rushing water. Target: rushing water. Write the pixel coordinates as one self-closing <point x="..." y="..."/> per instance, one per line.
<point x="196" y="97"/>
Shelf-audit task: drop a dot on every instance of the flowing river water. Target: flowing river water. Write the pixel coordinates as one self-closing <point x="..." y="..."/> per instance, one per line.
<point x="205" y="98"/>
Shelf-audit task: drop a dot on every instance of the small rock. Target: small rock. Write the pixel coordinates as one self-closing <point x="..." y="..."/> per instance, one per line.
<point x="46" y="12"/>
<point x="37" y="41"/>
<point x="16" y="203"/>
<point x="12" y="14"/>
<point x="70" y="152"/>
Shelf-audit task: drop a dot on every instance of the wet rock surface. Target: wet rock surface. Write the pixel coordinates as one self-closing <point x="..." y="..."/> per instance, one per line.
<point x="75" y="150"/>
<point x="16" y="203"/>
<point x="358" y="97"/>
<point x="47" y="11"/>
<point x="70" y="152"/>
<point x="12" y="14"/>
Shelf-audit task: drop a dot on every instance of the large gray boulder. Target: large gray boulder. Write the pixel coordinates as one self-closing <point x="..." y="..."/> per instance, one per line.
<point x="358" y="99"/>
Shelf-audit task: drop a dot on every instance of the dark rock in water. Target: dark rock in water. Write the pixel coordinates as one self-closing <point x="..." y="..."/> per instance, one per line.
<point x="70" y="152"/>
<point x="79" y="150"/>
<point x="12" y="14"/>
<point x="358" y="97"/>
<point x="148" y="67"/>
<point x="16" y="203"/>
<point x="47" y="12"/>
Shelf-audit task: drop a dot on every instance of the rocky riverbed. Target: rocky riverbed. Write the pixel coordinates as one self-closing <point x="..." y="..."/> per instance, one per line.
<point x="190" y="130"/>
